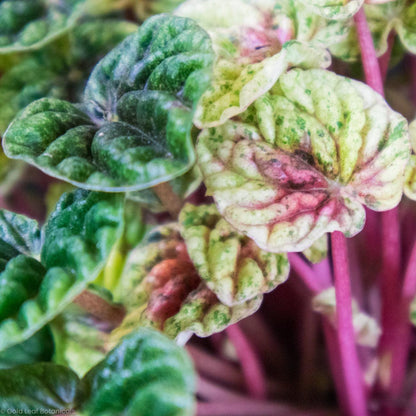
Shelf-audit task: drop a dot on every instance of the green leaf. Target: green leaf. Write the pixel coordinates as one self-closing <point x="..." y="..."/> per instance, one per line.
<point x="147" y="375"/>
<point x="40" y="347"/>
<point x="318" y="250"/>
<point x="78" y="343"/>
<point x="330" y="9"/>
<point x="367" y="330"/>
<point x="230" y="264"/>
<point x="31" y="24"/>
<point x="182" y="186"/>
<point x="250" y="56"/>
<point x="78" y="238"/>
<point x="311" y="153"/>
<point x="18" y="235"/>
<point x="38" y="388"/>
<point x="161" y="288"/>
<point x="137" y="131"/>
<point x="410" y="181"/>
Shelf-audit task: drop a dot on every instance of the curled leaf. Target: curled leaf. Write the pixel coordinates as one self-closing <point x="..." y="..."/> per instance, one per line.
<point x="330" y="9"/>
<point x="78" y="238"/>
<point x="161" y="288"/>
<point x="134" y="128"/>
<point x="146" y="374"/>
<point x="41" y="388"/>
<point x="231" y="265"/>
<point x="367" y="330"/>
<point x="311" y="153"/>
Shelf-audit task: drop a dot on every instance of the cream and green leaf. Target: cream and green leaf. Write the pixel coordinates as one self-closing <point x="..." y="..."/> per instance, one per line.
<point x="305" y="160"/>
<point x="410" y="184"/>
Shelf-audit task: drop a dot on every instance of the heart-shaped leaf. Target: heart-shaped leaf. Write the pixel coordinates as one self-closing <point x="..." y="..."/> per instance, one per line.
<point x="367" y="330"/>
<point x="161" y="288"/>
<point x="313" y="151"/>
<point x="231" y="265"/>
<point x="146" y="374"/>
<point x="41" y="387"/>
<point x="78" y="238"/>
<point x="134" y="129"/>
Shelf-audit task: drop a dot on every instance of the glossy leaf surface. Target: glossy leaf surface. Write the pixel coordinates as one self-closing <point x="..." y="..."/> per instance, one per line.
<point x="38" y="387"/>
<point x="146" y="374"/>
<point x="78" y="238"/>
<point x="133" y="131"/>
<point x="310" y="155"/>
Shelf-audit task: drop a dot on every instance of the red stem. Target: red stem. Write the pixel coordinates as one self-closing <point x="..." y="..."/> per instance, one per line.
<point x="353" y="378"/>
<point x="250" y="363"/>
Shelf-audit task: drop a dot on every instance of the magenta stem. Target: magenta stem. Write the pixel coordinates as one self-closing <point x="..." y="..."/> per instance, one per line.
<point x="250" y="362"/>
<point x="306" y="273"/>
<point x="385" y="59"/>
<point x="353" y="378"/>
<point x="368" y="53"/>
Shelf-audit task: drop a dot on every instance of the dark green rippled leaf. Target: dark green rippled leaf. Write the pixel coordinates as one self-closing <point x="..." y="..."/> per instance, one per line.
<point x="133" y="130"/>
<point x="146" y="375"/>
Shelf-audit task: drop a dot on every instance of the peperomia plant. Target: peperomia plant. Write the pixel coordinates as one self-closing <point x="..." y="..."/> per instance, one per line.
<point x="192" y="158"/>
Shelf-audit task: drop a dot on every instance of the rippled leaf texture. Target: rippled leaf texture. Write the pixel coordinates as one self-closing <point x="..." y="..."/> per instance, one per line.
<point x="367" y="331"/>
<point x="78" y="238"/>
<point x="310" y="155"/>
<point x="161" y="288"/>
<point x="248" y="36"/>
<point x="410" y="183"/>
<point x="182" y="186"/>
<point x="59" y="72"/>
<point x="37" y="388"/>
<point x="330" y="9"/>
<point x="135" y="131"/>
<point x="38" y="348"/>
<point x="230" y="264"/>
<point x="146" y="374"/>
<point x="78" y="343"/>
<point x="30" y="24"/>
<point x="395" y="16"/>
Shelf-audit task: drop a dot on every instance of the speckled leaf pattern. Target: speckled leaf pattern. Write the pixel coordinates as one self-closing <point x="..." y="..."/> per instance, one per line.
<point x="161" y="288"/>
<point x="410" y="183"/>
<point x="133" y="130"/>
<point x="230" y="264"/>
<point x="250" y="39"/>
<point x="367" y="331"/>
<point x="78" y="238"/>
<point x="31" y="24"/>
<point x="311" y="153"/>
<point x="182" y="186"/>
<point x="330" y="9"/>
<point x="41" y="387"/>
<point x="146" y="374"/>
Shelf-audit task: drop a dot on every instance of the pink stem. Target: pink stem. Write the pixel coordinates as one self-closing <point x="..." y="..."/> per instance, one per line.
<point x="306" y="273"/>
<point x="385" y="59"/>
<point x="250" y="363"/>
<point x="368" y="53"/>
<point x="353" y="378"/>
<point x="390" y="227"/>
